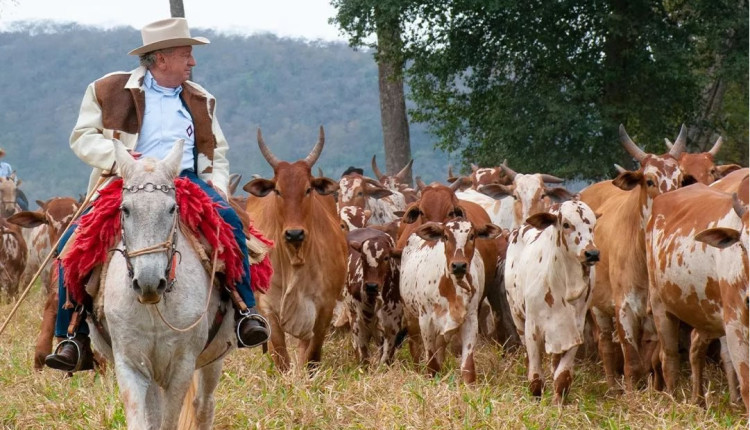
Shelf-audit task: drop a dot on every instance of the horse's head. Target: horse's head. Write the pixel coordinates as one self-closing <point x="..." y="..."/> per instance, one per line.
<point x="149" y="219"/>
<point x="8" y="193"/>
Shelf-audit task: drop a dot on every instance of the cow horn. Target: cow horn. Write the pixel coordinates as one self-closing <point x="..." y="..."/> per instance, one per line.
<point x="378" y="173"/>
<point x="474" y="167"/>
<point x="315" y="153"/>
<point x="715" y="149"/>
<point x="738" y="206"/>
<point x="679" y="143"/>
<point x="450" y="173"/>
<point x="508" y="171"/>
<point x="620" y="169"/>
<point x="630" y="146"/>
<point x="267" y="154"/>
<point x="668" y="143"/>
<point x="420" y="184"/>
<point x="456" y="185"/>
<point x="551" y="179"/>
<point x="400" y="176"/>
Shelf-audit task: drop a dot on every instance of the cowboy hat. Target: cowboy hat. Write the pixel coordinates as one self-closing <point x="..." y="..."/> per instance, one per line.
<point x="167" y="33"/>
<point x="2" y="152"/>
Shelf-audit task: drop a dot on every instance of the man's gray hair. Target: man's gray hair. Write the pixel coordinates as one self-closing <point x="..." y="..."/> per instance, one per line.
<point x="149" y="58"/>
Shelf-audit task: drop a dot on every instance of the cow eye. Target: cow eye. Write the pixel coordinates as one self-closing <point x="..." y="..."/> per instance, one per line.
<point x="359" y="194"/>
<point x="308" y="191"/>
<point x="566" y="225"/>
<point x="278" y="193"/>
<point x="650" y="183"/>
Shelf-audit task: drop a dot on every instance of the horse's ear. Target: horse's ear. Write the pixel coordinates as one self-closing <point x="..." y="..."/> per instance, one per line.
<point x="173" y="160"/>
<point x="123" y="159"/>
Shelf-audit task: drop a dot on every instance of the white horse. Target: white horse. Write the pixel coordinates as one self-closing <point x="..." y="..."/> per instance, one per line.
<point x="158" y="329"/>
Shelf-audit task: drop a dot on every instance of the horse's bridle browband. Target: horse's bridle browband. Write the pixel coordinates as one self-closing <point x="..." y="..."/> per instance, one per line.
<point x="169" y="246"/>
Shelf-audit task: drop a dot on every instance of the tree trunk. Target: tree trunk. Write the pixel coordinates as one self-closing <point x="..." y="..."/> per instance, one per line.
<point x="177" y="8"/>
<point x="392" y="101"/>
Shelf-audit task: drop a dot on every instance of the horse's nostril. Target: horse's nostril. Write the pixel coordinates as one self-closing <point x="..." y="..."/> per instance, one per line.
<point x="135" y="285"/>
<point x="162" y="284"/>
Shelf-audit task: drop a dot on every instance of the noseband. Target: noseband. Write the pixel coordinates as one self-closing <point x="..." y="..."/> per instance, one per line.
<point x="169" y="246"/>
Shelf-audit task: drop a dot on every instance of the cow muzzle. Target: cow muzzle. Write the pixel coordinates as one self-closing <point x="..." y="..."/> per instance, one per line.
<point x="458" y="268"/>
<point x="294" y="236"/>
<point x="372" y="289"/>
<point x="591" y="256"/>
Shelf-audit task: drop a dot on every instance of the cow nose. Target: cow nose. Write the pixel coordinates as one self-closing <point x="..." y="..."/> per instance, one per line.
<point x="592" y="256"/>
<point x="458" y="268"/>
<point x="294" y="235"/>
<point x="371" y="288"/>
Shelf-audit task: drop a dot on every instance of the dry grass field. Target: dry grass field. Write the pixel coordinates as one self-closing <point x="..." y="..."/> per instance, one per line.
<point x="252" y="394"/>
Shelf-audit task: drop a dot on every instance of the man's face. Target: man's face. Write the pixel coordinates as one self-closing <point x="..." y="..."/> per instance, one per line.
<point x="177" y="64"/>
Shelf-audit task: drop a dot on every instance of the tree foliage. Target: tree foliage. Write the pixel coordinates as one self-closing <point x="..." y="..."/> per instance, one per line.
<point x="545" y="84"/>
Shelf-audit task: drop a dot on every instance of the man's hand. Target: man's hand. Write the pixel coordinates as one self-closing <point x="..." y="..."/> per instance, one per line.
<point x="135" y="154"/>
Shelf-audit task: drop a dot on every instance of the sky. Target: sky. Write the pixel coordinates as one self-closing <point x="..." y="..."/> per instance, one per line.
<point x="306" y="19"/>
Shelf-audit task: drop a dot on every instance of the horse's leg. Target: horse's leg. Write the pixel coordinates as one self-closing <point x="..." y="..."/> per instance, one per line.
<point x="44" y="339"/>
<point x="204" y="403"/>
<point x="174" y="393"/>
<point x="133" y="389"/>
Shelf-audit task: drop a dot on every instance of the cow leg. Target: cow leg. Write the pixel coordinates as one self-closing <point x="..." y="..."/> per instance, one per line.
<point x="726" y="364"/>
<point x="47" y="330"/>
<point x="607" y="347"/>
<point x="415" y="339"/>
<point x="469" y="330"/>
<point x="650" y="353"/>
<point x="534" y="352"/>
<point x="737" y="342"/>
<point x="315" y="348"/>
<point x="504" y="325"/>
<point x="430" y="342"/>
<point x="359" y="334"/>
<point x="698" y="346"/>
<point x="668" y="327"/>
<point x="390" y="319"/>
<point x="629" y="332"/>
<point x="563" y="374"/>
<point x="277" y="346"/>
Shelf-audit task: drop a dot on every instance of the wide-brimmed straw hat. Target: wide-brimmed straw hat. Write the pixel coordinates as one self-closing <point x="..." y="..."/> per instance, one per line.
<point x="167" y="33"/>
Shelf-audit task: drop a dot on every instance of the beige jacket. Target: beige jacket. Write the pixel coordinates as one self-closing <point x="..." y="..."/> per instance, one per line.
<point x="113" y="107"/>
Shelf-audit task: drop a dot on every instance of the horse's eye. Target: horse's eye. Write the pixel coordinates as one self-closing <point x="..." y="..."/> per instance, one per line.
<point x="125" y="211"/>
<point x="172" y="209"/>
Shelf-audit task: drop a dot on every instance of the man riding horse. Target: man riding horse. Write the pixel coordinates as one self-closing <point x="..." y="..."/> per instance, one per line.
<point x="148" y="110"/>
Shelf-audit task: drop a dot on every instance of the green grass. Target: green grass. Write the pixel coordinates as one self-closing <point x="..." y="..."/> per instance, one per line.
<point x="252" y="394"/>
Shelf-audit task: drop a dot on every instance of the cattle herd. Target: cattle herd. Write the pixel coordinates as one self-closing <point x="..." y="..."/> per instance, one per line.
<point x="626" y="264"/>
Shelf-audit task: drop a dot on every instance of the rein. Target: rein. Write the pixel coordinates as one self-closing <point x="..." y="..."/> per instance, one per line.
<point x="169" y="246"/>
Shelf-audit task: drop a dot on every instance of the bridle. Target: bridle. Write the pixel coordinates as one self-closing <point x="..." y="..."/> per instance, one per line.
<point x="169" y="246"/>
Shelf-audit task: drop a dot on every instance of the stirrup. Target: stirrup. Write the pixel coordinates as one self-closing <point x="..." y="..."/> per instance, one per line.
<point x="71" y="339"/>
<point x="257" y="317"/>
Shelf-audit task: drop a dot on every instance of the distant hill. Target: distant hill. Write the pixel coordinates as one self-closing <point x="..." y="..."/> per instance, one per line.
<point x="287" y="87"/>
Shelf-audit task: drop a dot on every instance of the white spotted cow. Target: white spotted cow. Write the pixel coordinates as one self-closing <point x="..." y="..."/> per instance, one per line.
<point x="372" y="294"/>
<point x="548" y="282"/>
<point x="369" y="194"/>
<point x="442" y="282"/>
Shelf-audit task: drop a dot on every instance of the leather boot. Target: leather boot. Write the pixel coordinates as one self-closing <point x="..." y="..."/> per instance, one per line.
<point x="72" y="355"/>
<point x="252" y="329"/>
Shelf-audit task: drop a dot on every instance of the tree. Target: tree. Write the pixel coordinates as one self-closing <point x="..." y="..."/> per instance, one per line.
<point x="360" y="19"/>
<point x="546" y="84"/>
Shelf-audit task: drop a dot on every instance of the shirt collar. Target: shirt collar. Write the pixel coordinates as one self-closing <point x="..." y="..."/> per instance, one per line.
<point x="150" y="83"/>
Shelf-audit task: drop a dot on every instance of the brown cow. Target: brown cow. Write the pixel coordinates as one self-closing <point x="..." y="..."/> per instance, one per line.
<point x="621" y="286"/>
<point x="699" y="167"/>
<point x="46" y="226"/>
<point x="481" y="176"/>
<point x="309" y="259"/>
<point x="705" y="287"/>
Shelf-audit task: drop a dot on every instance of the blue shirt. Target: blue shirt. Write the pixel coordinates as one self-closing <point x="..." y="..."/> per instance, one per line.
<point x="165" y="121"/>
<point x="5" y="169"/>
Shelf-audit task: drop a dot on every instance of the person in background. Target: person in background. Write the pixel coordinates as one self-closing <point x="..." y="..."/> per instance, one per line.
<point x="6" y="171"/>
<point x="148" y="109"/>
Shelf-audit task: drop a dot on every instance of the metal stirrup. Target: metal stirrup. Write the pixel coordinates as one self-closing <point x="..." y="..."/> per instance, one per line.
<point x="257" y="317"/>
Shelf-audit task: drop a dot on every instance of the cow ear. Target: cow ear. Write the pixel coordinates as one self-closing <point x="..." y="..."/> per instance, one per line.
<point x="496" y="191"/>
<point x="430" y="231"/>
<point x="719" y="237"/>
<point x="41" y="204"/>
<point x="324" y="186"/>
<point x="355" y="245"/>
<point x="378" y="193"/>
<point x="399" y="213"/>
<point x="627" y="180"/>
<point x="18" y="183"/>
<point x="459" y="212"/>
<point x="489" y="231"/>
<point x="725" y="169"/>
<point x="259" y="187"/>
<point x="412" y="214"/>
<point x="541" y="220"/>
<point x="28" y="219"/>
<point x="559" y="194"/>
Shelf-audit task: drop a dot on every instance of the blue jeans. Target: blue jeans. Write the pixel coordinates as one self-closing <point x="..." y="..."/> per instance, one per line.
<point x="225" y="211"/>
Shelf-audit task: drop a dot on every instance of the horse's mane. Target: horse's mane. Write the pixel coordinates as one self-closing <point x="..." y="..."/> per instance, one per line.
<point x="99" y="230"/>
